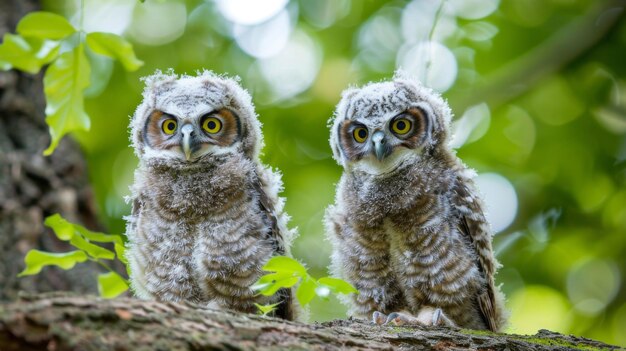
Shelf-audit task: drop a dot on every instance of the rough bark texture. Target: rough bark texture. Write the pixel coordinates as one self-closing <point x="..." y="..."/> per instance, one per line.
<point x="54" y="322"/>
<point x="33" y="186"/>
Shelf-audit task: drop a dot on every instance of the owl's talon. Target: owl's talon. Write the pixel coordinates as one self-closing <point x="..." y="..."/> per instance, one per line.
<point x="426" y="316"/>
<point x="398" y="319"/>
<point x="379" y="318"/>
<point x="437" y="316"/>
<point x="391" y="318"/>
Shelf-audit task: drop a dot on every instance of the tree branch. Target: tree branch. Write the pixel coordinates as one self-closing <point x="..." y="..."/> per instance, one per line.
<point x="61" y="322"/>
<point x="565" y="46"/>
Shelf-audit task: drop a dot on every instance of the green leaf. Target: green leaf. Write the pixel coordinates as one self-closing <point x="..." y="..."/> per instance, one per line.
<point x="66" y="230"/>
<point x="116" y="47"/>
<point x="269" y="284"/>
<point x="64" y="83"/>
<point x="94" y="251"/>
<point x="35" y="260"/>
<point x="338" y="286"/>
<point x="265" y="309"/>
<point x="63" y="229"/>
<point x="27" y="54"/>
<point x="285" y="264"/>
<point x="306" y="291"/>
<point x="111" y="285"/>
<point x="120" y="251"/>
<point x="45" y="25"/>
<point x="98" y="237"/>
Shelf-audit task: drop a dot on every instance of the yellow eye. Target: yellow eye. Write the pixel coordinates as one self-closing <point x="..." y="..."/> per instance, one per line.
<point x="212" y="125"/>
<point x="169" y="126"/>
<point x="360" y="134"/>
<point x="401" y="126"/>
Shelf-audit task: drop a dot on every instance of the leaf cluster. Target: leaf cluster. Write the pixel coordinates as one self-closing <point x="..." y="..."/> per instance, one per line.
<point x="286" y="272"/>
<point x="110" y="284"/>
<point x="45" y="38"/>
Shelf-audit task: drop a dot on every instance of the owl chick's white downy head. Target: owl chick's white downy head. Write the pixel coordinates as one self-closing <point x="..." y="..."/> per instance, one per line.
<point x="377" y="126"/>
<point x="189" y="118"/>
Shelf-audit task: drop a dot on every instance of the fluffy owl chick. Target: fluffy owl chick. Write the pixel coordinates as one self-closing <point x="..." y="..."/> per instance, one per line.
<point x="206" y="215"/>
<point x="407" y="227"/>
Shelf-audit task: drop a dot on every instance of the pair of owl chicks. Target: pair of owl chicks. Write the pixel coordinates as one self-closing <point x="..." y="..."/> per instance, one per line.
<point x="407" y="227"/>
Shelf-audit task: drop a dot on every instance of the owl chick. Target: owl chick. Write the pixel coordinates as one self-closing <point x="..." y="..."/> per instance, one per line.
<point x="206" y="215"/>
<point x="408" y="228"/>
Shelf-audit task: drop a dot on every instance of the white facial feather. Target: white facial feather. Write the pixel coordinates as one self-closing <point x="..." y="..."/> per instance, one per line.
<point x="387" y="98"/>
<point x="205" y="92"/>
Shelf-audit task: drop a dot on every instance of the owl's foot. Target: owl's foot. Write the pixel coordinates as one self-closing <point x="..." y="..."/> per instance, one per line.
<point x="379" y="318"/>
<point x="426" y="316"/>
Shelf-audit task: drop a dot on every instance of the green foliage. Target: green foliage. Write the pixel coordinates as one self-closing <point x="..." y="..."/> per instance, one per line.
<point x="27" y="54"/>
<point x="266" y="309"/>
<point x="562" y="144"/>
<point x="38" y="44"/>
<point x="45" y="25"/>
<point x="110" y="284"/>
<point x="287" y="272"/>
<point x="115" y="47"/>
<point x="64" y="83"/>
<point x="35" y="260"/>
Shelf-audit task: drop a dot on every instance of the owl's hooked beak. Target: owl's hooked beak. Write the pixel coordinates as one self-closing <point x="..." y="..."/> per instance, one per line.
<point x="381" y="148"/>
<point x="187" y="130"/>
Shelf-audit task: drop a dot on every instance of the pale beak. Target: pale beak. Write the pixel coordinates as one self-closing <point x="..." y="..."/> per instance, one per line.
<point x="381" y="148"/>
<point x="187" y="130"/>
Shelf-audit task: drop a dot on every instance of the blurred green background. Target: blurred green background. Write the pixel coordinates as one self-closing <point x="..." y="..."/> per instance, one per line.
<point x="538" y="88"/>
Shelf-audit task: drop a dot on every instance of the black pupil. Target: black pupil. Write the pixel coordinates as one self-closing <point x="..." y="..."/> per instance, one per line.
<point x="401" y="125"/>
<point x="361" y="133"/>
<point x="211" y="125"/>
<point x="169" y="126"/>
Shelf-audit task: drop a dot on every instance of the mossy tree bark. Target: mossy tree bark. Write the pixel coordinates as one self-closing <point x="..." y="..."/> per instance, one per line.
<point x="33" y="186"/>
<point x="62" y="322"/>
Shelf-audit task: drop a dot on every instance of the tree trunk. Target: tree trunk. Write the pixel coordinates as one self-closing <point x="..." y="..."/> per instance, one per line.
<point x="33" y="186"/>
<point x="62" y="322"/>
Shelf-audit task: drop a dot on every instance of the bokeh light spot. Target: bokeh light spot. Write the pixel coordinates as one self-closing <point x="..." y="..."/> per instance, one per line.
<point x="112" y="16"/>
<point x="294" y="69"/>
<point x="158" y="23"/>
<point x="594" y="191"/>
<point x="537" y="307"/>
<point x="472" y="126"/>
<point x="334" y="77"/>
<point x="431" y="62"/>
<point x="520" y="130"/>
<point x="555" y="103"/>
<point x="379" y="39"/>
<point x="474" y="9"/>
<point x="480" y="31"/>
<point x="323" y="13"/>
<point x="266" y="39"/>
<point x="249" y="12"/>
<point x="500" y="199"/>
<point x="592" y="285"/>
<point x="419" y="17"/>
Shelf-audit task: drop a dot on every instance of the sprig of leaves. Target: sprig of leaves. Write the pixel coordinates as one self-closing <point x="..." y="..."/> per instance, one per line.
<point x="285" y="272"/>
<point x="110" y="284"/>
<point x="38" y="43"/>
